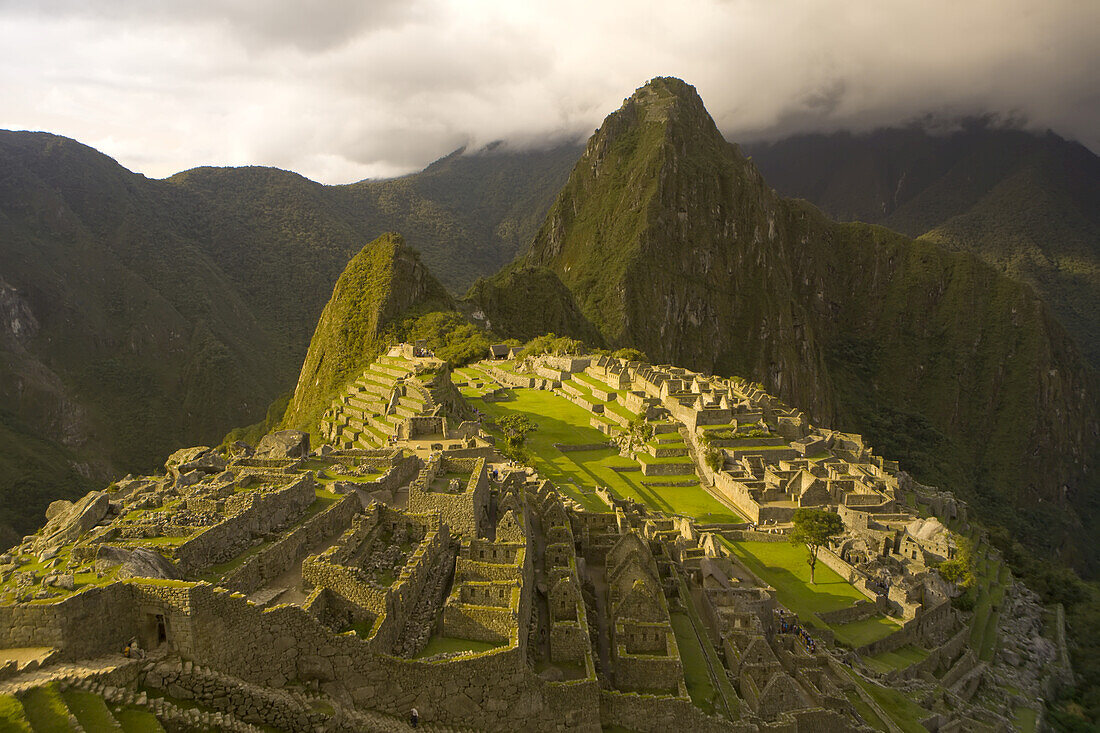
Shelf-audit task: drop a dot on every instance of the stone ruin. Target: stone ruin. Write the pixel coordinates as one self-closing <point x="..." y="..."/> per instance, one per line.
<point x="336" y="587"/>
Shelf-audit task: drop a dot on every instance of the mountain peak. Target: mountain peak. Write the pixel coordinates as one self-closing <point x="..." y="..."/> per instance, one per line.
<point x="380" y="284"/>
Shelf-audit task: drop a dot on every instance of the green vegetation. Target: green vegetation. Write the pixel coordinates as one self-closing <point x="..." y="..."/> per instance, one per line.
<point x="515" y="427"/>
<point x="579" y="473"/>
<point x="814" y="528"/>
<point x="449" y="335"/>
<point x="897" y="659"/>
<point x="696" y="675"/>
<point x="45" y="709"/>
<point x="783" y="566"/>
<point x="385" y="280"/>
<point x="136" y="720"/>
<point x="253" y="433"/>
<point x="12" y="717"/>
<point x="526" y="302"/>
<point x="902" y="711"/>
<point x="90" y="711"/>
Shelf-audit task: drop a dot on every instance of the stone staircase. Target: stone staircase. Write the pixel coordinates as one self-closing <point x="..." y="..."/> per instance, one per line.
<point x="87" y="705"/>
<point x="368" y="413"/>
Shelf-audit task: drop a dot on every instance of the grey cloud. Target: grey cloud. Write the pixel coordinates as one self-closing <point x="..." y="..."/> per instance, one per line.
<point x="348" y="89"/>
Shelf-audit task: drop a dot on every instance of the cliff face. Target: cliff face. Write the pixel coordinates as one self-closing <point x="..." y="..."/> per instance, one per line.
<point x="379" y="285"/>
<point x="672" y="242"/>
<point x="1028" y="204"/>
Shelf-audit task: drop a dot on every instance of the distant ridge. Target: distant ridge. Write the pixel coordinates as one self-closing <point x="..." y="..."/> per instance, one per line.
<point x="672" y="242"/>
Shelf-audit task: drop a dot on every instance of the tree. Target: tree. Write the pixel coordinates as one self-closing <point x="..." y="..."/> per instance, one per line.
<point x="814" y="528"/>
<point x="516" y="429"/>
<point x="630" y="355"/>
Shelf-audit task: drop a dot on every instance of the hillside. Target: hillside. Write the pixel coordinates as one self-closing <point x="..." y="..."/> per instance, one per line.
<point x="1028" y="204"/>
<point x="380" y="285"/>
<point x="140" y="315"/>
<point x="672" y="242"/>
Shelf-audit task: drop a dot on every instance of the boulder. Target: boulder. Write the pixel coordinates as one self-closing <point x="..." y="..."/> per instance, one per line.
<point x="57" y="508"/>
<point x="284" y="444"/>
<point x="190" y="478"/>
<point x="182" y="457"/>
<point x="240" y="448"/>
<point x="69" y="525"/>
<point x="138" y="563"/>
<point x="208" y="462"/>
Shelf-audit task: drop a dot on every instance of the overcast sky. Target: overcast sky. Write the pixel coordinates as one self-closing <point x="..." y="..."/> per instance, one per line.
<point x="341" y="90"/>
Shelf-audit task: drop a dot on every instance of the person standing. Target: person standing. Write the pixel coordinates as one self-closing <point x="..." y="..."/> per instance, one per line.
<point x="414" y="718"/>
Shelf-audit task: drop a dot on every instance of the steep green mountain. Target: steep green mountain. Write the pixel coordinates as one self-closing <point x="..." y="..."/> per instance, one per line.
<point x="526" y="302"/>
<point x="380" y="285"/>
<point x="672" y="242"/>
<point x="139" y="315"/>
<point x="1029" y="204"/>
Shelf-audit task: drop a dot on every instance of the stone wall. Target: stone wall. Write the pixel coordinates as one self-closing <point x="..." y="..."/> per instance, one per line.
<point x="229" y="538"/>
<point x="658" y="714"/>
<point x="461" y="512"/>
<point x="291" y="549"/>
<point x="94" y="622"/>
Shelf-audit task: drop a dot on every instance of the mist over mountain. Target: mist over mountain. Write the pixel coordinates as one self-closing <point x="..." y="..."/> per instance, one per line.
<point x="674" y="243"/>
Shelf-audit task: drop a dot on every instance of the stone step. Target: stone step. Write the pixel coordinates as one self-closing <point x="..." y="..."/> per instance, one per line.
<point x="387" y="370"/>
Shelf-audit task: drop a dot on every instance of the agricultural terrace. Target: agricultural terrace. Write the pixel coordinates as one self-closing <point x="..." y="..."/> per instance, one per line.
<point x="783" y="566"/>
<point x="579" y="473"/>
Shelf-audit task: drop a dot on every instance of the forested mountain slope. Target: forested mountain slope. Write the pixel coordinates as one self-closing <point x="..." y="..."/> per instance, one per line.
<point x="1028" y="204"/>
<point x="672" y="242"/>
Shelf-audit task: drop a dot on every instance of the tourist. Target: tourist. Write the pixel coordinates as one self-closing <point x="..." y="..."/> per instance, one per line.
<point x="414" y="718"/>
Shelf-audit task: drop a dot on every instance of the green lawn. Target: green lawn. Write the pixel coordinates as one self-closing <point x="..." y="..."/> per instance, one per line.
<point x="696" y="675"/>
<point x="579" y="473"/>
<point x="897" y="659"/>
<point x="903" y="711"/>
<point x="445" y="644"/>
<point x="45" y="709"/>
<point x="783" y="566"/>
<point x="91" y="711"/>
<point x="136" y="720"/>
<point x="11" y="715"/>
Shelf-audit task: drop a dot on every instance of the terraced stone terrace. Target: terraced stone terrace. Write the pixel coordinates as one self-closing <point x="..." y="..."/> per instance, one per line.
<point x="612" y="583"/>
<point x="580" y="472"/>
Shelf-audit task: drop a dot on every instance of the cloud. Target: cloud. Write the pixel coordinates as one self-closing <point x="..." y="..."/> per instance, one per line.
<point x="344" y="89"/>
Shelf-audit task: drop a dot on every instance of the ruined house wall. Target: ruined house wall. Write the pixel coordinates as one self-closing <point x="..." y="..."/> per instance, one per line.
<point x="231" y="537"/>
<point x="95" y="622"/>
<point x="659" y="713"/>
<point x="277" y="559"/>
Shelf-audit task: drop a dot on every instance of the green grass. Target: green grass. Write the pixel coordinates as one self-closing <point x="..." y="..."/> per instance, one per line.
<point x="865" y="711"/>
<point x="136" y="720"/>
<point x="903" y="711"/>
<point x="897" y="659"/>
<point x="699" y="683"/>
<point x="579" y="473"/>
<point x="91" y="711"/>
<point x="45" y="709"/>
<point x="11" y="716"/>
<point x="783" y="566"/>
<point x="858" y="633"/>
<point x="724" y="689"/>
<point x="1026" y="719"/>
<point x="447" y="645"/>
